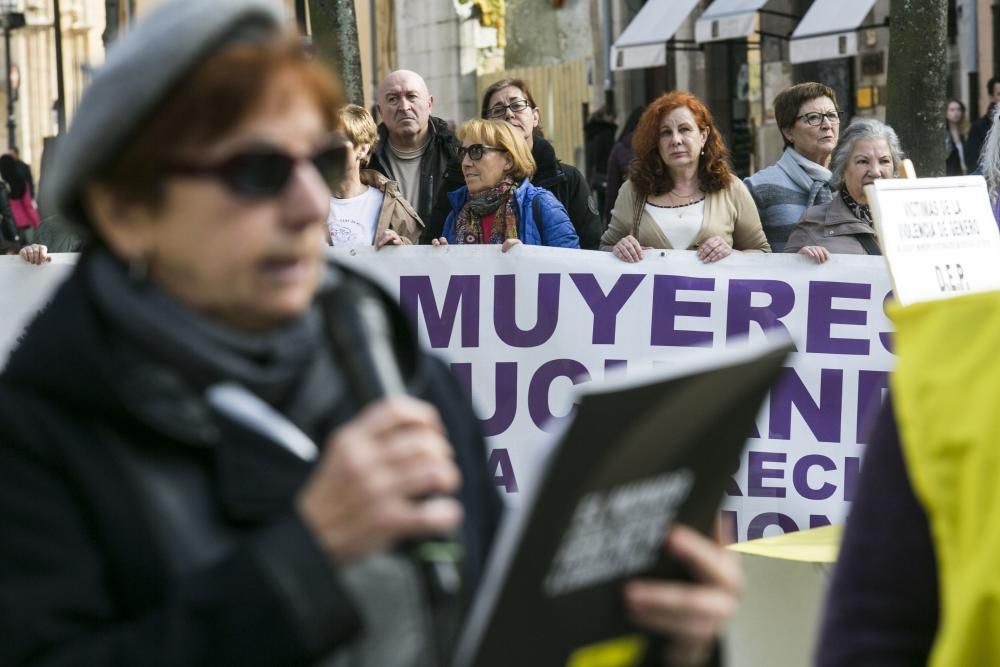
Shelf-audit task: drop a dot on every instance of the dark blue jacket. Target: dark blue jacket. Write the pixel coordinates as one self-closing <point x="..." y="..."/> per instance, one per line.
<point x="553" y="229"/>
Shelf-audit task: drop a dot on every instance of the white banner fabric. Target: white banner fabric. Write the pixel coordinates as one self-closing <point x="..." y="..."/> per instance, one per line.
<point x="520" y="328"/>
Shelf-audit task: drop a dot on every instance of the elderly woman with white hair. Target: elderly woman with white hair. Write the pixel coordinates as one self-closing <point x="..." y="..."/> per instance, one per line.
<point x="868" y="150"/>
<point x="989" y="164"/>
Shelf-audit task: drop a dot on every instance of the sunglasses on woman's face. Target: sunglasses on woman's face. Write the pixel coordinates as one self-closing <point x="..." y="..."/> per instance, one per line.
<point x="265" y="171"/>
<point x="476" y="151"/>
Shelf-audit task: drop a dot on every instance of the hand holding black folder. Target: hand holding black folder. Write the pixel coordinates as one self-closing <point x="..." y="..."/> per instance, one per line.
<point x="640" y="455"/>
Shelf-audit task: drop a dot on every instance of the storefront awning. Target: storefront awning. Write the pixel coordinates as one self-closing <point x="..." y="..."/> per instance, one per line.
<point x="727" y="19"/>
<point x="644" y="42"/>
<point x="828" y="30"/>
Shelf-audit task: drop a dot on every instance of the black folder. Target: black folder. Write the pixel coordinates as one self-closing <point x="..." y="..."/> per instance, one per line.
<point x="640" y="454"/>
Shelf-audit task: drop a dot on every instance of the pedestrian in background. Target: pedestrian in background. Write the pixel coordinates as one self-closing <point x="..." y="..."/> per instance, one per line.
<point x="9" y="231"/>
<point x="681" y="192"/>
<point x="22" y="203"/>
<point x="25" y="170"/>
<point x="599" y="137"/>
<point x="956" y="129"/>
<point x="974" y="145"/>
<point x="619" y="160"/>
<point x="809" y="120"/>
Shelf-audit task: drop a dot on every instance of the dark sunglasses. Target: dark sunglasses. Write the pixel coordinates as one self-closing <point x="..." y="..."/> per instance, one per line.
<point x="266" y="171"/>
<point x="476" y="151"/>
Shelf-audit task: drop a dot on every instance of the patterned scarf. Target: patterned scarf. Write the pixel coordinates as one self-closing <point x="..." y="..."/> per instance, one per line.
<point x="860" y="211"/>
<point x="499" y="199"/>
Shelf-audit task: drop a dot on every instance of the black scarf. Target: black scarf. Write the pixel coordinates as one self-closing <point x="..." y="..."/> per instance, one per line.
<point x="860" y="211"/>
<point x="288" y="367"/>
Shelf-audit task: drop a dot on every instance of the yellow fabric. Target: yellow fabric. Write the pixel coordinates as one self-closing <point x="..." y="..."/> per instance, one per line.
<point x="492" y="14"/>
<point x="946" y="392"/>
<point x="625" y="651"/>
<point x="817" y="545"/>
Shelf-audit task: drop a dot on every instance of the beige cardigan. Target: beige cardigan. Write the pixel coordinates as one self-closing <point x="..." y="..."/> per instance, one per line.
<point x="729" y="213"/>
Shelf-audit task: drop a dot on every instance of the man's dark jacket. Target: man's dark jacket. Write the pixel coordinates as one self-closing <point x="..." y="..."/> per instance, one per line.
<point x="443" y="148"/>
<point x="563" y="180"/>
<point x="976" y="139"/>
<point x="142" y="527"/>
<point x="8" y="226"/>
<point x="599" y="137"/>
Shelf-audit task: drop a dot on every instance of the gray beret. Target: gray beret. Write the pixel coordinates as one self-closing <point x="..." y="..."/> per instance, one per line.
<point x="140" y="71"/>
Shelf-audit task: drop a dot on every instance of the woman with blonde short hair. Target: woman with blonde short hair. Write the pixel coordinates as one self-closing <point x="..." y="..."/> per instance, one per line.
<point x="498" y="203"/>
<point x="366" y="207"/>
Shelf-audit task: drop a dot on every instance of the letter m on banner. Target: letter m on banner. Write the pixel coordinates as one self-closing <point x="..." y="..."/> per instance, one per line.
<point x="416" y="296"/>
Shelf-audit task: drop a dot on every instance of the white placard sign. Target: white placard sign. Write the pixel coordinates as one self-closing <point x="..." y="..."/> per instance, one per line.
<point x="938" y="235"/>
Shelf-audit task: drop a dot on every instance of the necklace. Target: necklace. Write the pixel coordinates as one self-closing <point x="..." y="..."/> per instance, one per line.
<point x="680" y="209"/>
<point x="676" y="195"/>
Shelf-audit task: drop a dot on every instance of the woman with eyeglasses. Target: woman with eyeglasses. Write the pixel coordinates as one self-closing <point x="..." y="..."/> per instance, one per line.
<point x="868" y="150"/>
<point x="367" y="208"/>
<point x="809" y="121"/>
<point x="510" y="100"/>
<point x="681" y="192"/>
<point x="194" y="469"/>
<point x="498" y="203"/>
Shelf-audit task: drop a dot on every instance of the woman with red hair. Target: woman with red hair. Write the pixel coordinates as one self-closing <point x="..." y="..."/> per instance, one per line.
<point x="681" y="192"/>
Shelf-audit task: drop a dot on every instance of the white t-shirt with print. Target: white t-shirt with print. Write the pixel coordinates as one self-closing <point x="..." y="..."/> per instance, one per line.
<point x="352" y="221"/>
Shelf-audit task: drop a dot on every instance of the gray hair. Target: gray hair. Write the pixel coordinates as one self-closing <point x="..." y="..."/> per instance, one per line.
<point x="989" y="161"/>
<point x="862" y="128"/>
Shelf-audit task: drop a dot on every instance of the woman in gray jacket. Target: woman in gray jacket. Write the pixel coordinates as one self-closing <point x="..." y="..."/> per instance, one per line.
<point x="869" y="150"/>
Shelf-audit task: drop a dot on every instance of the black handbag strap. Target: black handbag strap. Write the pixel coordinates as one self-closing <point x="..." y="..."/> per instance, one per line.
<point x="869" y="243"/>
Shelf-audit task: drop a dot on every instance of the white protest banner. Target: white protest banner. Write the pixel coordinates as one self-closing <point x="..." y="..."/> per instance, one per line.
<point x="520" y="327"/>
<point x="25" y="290"/>
<point x="938" y="235"/>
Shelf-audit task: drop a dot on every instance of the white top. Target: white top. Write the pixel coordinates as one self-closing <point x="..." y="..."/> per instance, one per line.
<point x="352" y="222"/>
<point x="680" y="224"/>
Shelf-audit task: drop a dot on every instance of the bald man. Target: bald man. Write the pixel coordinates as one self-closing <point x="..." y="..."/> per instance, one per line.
<point x="414" y="147"/>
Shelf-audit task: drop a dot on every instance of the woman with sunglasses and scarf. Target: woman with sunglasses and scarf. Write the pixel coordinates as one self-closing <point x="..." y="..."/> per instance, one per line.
<point x="498" y="203"/>
<point x="190" y="472"/>
<point x="510" y="100"/>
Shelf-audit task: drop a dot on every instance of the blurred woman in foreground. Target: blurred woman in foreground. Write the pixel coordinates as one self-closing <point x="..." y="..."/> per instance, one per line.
<point x="188" y="475"/>
<point x="681" y="192"/>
